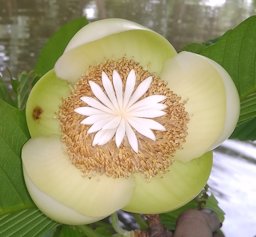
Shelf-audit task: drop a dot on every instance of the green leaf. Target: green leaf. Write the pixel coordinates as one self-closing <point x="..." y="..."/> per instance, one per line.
<point x="195" y="47"/>
<point x="246" y="131"/>
<point x="236" y="52"/>
<point x="4" y="92"/>
<point x="22" y="87"/>
<point x="248" y="105"/>
<point x="27" y="223"/>
<point x="15" y="91"/>
<point x="56" y="45"/>
<point x="68" y="231"/>
<point x="97" y="229"/>
<point x="13" y="134"/>
<point x="88" y="231"/>
<point x="103" y="228"/>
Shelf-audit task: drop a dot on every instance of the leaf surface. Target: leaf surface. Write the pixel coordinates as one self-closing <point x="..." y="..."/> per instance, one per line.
<point x="4" y="93"/>
<point x="28" y="223"/>
<point x="13" y="134"/>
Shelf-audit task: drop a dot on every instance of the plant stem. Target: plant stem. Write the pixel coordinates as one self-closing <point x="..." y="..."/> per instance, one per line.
<point x="140" y="221"/>
<point x="117" y="228"/>
<point x="156" y="229"/>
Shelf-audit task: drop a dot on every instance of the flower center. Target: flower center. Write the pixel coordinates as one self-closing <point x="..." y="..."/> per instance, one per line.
<point x="120" y="119"/>
<point x="118" y="111"/>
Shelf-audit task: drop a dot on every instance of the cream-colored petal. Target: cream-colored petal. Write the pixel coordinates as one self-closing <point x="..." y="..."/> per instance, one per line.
<point x="49" y="168"/>
<point x="100" y="29"/>
<point x="172" y="190"/>
<point x="43" y="104"/>
<point x="202" y="89"/>
<point x="54" y="209"/>
<point x="143" y="46"/>
<point x="232" y="104"/>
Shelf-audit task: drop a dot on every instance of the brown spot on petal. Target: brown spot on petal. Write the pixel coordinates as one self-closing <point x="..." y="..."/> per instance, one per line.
<point x="37" y="112"/>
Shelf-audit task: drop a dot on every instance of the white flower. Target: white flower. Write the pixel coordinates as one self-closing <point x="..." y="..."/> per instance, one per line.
<point x="119" y="111"/>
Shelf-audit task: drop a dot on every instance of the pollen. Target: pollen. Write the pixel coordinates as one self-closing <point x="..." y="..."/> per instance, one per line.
<point x="135" y="151"/>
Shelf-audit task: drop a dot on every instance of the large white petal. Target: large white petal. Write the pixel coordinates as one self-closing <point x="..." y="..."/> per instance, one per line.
<point x="54" y="209"/>
<point x="48" y="93"/>
<point x="202" y="87"/>
<point x="171" y="190"/>
<point x="144" y="46"/>
<point x="47" y="165"/>
<point x="100" y="29"/>
<point x="232" y="104"/>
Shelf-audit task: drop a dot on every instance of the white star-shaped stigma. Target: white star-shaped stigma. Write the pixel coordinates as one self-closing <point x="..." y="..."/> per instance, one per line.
<point x="118" y="111"/>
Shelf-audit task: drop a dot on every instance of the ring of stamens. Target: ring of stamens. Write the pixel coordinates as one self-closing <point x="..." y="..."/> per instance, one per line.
<point x="153" y="157"/>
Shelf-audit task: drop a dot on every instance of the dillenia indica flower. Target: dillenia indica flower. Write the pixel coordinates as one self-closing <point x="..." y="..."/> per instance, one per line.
<point x="124" y="122"/>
